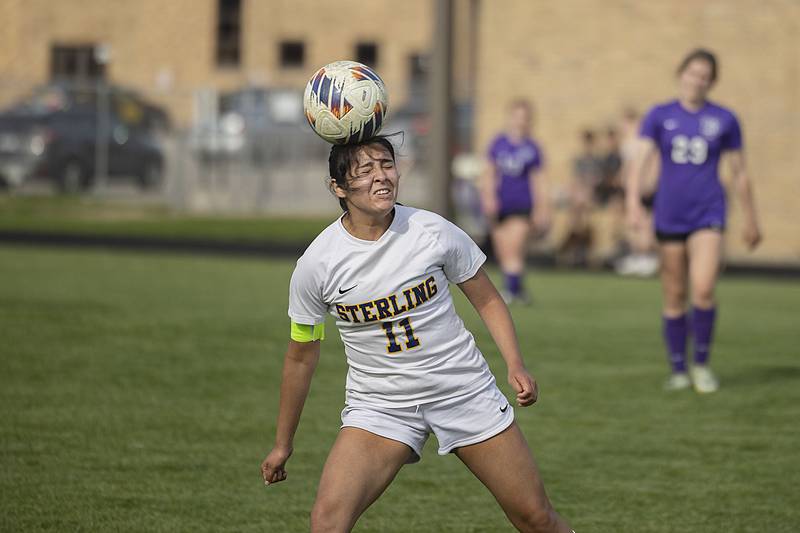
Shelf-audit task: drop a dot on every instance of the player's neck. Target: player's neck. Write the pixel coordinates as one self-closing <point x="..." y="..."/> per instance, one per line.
<point x="367" y="226"/>
<point x="516" y="137"/>
<point x="692" y="105"/>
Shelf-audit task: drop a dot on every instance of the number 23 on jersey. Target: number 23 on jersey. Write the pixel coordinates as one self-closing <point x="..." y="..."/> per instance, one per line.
<point x="689" y="150"/>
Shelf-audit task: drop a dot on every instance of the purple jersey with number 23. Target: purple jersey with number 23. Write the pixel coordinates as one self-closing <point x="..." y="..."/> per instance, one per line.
<point x="514" y="163"/>
<point x="690" y="195"/>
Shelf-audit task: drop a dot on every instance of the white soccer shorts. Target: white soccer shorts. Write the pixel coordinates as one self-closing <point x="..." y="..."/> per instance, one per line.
<point x="459" y="421"/>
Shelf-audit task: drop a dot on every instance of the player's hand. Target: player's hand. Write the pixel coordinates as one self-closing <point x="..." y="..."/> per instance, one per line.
<point x="541" y="222"/>
<point x="751" y="235"/>
<point x="634" y="215"/>
<point x="272" y="469"/>
<point x="525" y="386"/>
<point x="489" y="205"/>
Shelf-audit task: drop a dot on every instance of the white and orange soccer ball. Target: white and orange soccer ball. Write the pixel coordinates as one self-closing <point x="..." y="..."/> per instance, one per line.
<point x="345" y="102"/>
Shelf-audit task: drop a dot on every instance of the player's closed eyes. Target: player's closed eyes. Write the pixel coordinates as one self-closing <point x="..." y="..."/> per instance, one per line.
<point x="367" y="171"/>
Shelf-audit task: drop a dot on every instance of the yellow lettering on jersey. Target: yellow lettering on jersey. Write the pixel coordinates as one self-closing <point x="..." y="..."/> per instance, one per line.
<point x="352" y="309"/>
<point x="389" y="307"/>
<point x="340" y="309"/>
<point x="419" y="294"/>
<point x="382" y="305"/>
<point x="407" y="294"/>
<point x="430" y="284"/>
<point x="365" y="310"/>
<point x="396" y="310"/>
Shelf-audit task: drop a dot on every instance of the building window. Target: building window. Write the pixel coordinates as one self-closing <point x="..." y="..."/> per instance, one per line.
<point x="292" y="54"/>
<point x="229" y="33"/>
<point x="367" y="53"/>
<point x="418" y="68"/>
<point x="417" y="79"/>
<point x="75" y="63"/>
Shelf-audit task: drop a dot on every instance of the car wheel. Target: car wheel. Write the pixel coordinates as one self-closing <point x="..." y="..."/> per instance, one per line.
<point x="73" y="178"/>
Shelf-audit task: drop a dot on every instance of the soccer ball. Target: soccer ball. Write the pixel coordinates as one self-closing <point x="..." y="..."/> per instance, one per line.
<point x="345" y="102"/>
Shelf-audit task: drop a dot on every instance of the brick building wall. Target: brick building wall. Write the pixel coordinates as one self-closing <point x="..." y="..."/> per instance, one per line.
<point x="167" y="49"/>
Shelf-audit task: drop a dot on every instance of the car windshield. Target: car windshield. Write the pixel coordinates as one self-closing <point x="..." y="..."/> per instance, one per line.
<point x="55" y="98"/>
<point x="124" y="105"/>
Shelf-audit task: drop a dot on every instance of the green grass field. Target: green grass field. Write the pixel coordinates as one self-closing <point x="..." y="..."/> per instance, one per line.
<point x="103" y="217"/>
<point x="138" y="393"/>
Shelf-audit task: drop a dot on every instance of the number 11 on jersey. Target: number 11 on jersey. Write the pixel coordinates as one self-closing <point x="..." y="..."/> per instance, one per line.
<point x="394" y="346"/>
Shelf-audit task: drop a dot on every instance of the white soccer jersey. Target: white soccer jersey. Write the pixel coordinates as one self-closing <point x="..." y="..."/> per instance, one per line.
<point x="404" y="342"/>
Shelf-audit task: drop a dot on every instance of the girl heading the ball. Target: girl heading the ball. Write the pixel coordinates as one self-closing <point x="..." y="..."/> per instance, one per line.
<point x="383" y="272"/>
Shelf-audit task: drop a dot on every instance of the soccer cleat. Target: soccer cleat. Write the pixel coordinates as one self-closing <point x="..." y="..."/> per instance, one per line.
<point x="642" y="265"/>
<point x="626" y="266"/>
<point x="678" y="381"/>
<point x="523" y="298"/>
<point x="703" y="379"/>
<point x="647" y="266"/>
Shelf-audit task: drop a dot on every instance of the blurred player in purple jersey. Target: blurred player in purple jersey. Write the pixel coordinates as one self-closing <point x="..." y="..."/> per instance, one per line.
<point x="513" y="183"/>
<point x="690" y="134"/>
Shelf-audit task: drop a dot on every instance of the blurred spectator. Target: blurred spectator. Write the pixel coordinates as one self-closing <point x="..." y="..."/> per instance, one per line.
<point x="642" y="259"/>
<point x="609" y="192"/>
<point x="609" y="187"/>
<point x="587" y="169"/>
<point x="587" y="173"/>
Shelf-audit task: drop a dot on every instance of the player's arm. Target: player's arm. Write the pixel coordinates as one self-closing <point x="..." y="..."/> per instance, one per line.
<point x="646" y="150"/>
<point x="488" y="186"/>
<point x="542" y="212"/>
<point x="744" y="189"/>
<point x="483" y="295"/>
<point x="298" y="368"/>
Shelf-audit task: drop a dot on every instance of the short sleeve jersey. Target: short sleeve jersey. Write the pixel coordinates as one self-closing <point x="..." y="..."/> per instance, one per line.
<point x="689" y="193"/>
<point x="405" y="345"/>
<point x="515" y="163"/>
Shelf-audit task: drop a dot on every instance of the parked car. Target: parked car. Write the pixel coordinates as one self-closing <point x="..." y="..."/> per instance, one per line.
<point x="55" y="135"/>
<point x="127" y="103"/>
<point x="253" y="124"/>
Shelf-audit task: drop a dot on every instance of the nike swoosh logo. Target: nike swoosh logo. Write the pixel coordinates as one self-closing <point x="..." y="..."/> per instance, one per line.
<point x="504" y="409"/>
<point x="348" y="290"/>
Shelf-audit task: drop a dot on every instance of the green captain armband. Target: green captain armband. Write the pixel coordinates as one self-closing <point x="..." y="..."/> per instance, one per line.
<point x="306" y="333"/>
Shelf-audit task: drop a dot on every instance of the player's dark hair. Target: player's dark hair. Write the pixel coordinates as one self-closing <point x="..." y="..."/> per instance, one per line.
<point x="630" y="113"/>
<point x="703" y="55"/>
<point x="343" y="157"/>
